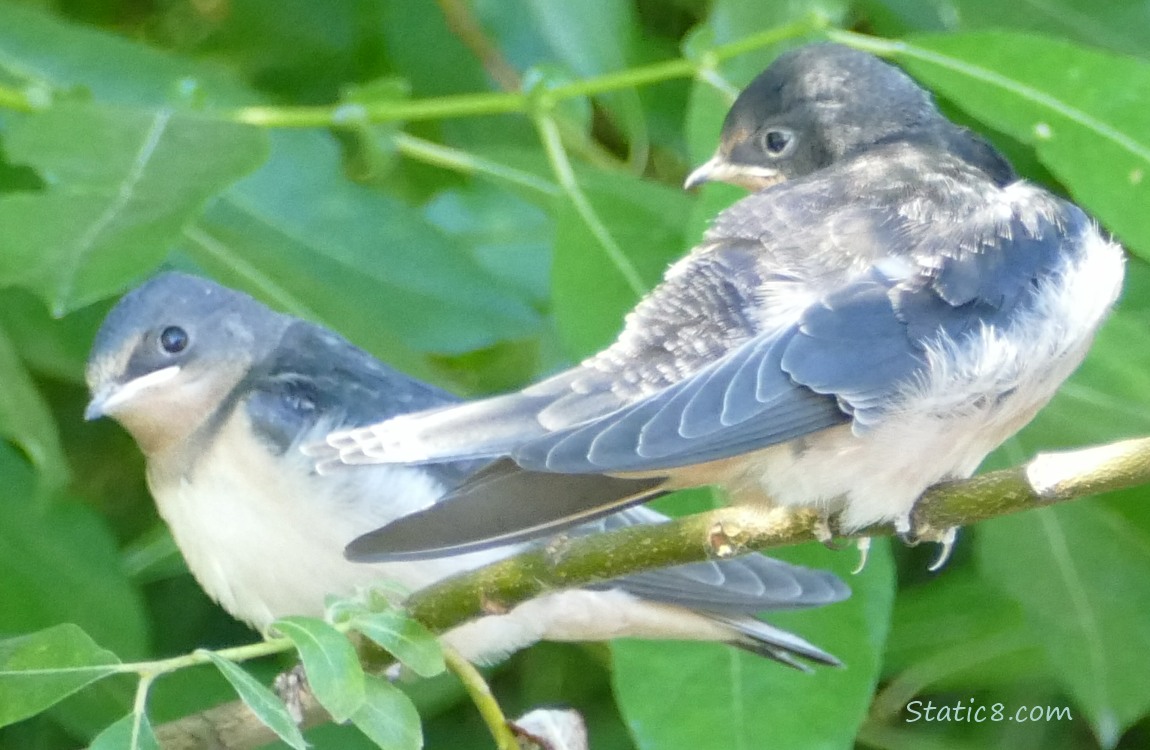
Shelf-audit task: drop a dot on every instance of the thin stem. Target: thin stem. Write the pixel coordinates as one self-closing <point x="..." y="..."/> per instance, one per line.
<point x="468" y="163"/>
<point x="494" y="103"/>
<point x="463" y="23"/>
<point x="140" y="706"/>
<point x="480" y="693"/>
<point x="236" y="653"/>
<point x="561" y="166"/>
<point x="436" y="108"/>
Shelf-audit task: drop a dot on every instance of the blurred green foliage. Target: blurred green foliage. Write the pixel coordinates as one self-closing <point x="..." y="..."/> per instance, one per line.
<point x="316" y="155"/>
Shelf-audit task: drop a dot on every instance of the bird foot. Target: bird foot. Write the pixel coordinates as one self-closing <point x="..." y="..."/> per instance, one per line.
<point x="912" y="536"/>
<point x="291" y="686"/>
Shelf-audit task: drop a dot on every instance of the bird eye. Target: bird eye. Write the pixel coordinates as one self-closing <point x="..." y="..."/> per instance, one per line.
<point x="173" y="339"/>
<point x="776" y="141"/>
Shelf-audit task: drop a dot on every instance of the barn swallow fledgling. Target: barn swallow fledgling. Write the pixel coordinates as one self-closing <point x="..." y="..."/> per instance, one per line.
<point x="219" y="392"/>
<point x="888" y="310"/>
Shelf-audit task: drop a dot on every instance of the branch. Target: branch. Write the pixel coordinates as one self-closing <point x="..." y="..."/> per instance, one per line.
<point x="1048" y="479"/>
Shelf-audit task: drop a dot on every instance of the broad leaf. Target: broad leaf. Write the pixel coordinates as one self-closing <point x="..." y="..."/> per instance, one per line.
<point x="407" y="640"/>
<point x="265" y="704"/>
<point x="734" y="699"/>
<point x="42" y="669"/>
<point x="297" y="229"/>
<point x="129" y="733"/>
<point x="388" y="717"/>
<point x="593" y="289"/>
<point x="101" y="223"/>
<point x="1118" y="24"/>
<point x="25" y="418"/>
<point x="333" y="671"/>
<point x="1081" y="574"/>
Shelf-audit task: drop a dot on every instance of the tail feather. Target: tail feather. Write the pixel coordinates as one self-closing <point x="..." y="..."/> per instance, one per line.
<point x="764" y="639"/>
<point x="499" y="505"/>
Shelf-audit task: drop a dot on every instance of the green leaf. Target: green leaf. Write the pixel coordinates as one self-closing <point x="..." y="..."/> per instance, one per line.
<point x="333" y="670"/>
<point x="101" y="223"/>
<point x="701" y="696"/>
<point x="508" y="236"/>
<point x="591" y="292"/>
<point x="26" y="419"/>
<point x="955" y="632"/>
<point x="298" y="228"/>
<point x="127" y="734"/>
<point x="39" y="670"/>
<point x="732" y="20"/>
<point x="1119" y="24"/>
<point x="593" y="37"/>
<point x="404" y="638"/>
<point x="43" y="50"/>
<point x="388" y="717"/>
<point x="60" y="561"/>
<point x="1081" y="574"/>
<point x="56" y="347"/>
<point x="265" y="704"/>
<point x="1063" y="99"/>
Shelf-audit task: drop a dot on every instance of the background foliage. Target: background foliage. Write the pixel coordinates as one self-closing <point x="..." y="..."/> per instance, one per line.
<point x="303" y="152"/>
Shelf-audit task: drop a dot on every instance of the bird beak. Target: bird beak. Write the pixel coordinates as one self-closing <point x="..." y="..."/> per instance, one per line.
<point x="704" y="172"/>
<point x="718" y="169"/>
<point x="115" y="395"/>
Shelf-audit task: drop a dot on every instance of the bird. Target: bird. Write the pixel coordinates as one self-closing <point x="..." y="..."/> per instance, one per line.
<point x="219" y="391"/>
<point x="890" y="304"/>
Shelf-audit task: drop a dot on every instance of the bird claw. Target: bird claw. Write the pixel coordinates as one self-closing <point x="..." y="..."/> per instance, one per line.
<point x="912" y="536"/>
<point x="946" y="547"/>
<point x="863" y="545"/>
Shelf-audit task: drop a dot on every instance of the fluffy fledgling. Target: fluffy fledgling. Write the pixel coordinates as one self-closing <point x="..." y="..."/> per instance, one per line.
<point x="890" y="306"/>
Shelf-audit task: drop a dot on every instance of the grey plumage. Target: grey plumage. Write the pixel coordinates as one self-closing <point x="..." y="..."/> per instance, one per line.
<point x="242" y="387"/>
<point x="891" y="306"/>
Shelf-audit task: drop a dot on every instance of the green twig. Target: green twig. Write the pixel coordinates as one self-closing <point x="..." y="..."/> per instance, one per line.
<point x="565" y="174"/>
<point x="154" y="669"/>
<point x="480" y="693"/>
<point x="495" y="103"/>
<point x="468" y="163"/>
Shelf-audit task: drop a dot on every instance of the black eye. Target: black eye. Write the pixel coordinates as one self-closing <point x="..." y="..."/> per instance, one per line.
<point x="776" y="141"/>
<point x="173" y="339"/>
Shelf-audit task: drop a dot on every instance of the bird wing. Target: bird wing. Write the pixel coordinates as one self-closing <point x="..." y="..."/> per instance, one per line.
<point x="849" y="355"/>
<point x="318" y="381"/>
